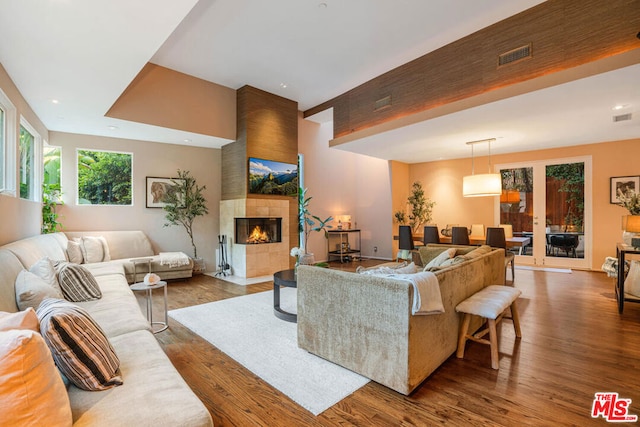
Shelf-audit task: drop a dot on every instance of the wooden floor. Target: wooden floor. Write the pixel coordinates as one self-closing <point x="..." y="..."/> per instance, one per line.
<point x="574" y="344"/>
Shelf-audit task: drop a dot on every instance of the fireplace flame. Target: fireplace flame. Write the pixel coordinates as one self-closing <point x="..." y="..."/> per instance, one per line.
<point x="258" y="236"/>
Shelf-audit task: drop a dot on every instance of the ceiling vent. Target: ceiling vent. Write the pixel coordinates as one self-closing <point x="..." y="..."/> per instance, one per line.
<point x="622" y="117"/>
<point x="514" y="55"/>
<point x="382" y="103"/>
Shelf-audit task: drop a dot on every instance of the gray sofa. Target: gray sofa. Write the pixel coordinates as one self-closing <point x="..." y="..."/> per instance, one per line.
<point x="364" y="322"/>
<point x="153" y="392"/>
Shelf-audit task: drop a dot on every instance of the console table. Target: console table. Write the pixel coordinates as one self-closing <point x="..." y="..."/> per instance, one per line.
<point x="621" y="251"/>
<point x="344" y="250"/>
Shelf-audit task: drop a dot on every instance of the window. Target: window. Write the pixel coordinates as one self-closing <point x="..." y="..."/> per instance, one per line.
<point x="51" y="184"/>
<point x="7" y="144"/>
<point x="29" y="150"/>
<point x="104" y="178"/>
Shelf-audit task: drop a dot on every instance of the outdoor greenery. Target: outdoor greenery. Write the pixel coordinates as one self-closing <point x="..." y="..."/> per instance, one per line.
<point x="104" y="178"/>
<point x="308" y="222"/>
<point x="50" y="201"/>
<point x="571" y="177"/>
<point x="185" y="204"/>
<point x="26" y="163"/>
<point x="419" y="209"/>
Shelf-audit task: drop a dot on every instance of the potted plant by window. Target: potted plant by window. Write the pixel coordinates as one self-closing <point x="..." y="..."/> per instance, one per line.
<point x="183" y="206"/>
<point x="308" y="223"/>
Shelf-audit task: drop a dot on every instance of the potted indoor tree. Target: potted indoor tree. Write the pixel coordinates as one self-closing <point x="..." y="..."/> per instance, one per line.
<point x="420" y="209"/>
<point x="183" y="204"/>
<point x="308" y="223"/>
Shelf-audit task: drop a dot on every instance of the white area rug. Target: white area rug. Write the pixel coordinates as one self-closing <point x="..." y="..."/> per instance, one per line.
<point x="246" y="329"/>
<point x="243" y="281"/>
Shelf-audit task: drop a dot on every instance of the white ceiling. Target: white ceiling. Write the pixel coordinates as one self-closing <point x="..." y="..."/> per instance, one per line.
<point x="84" y="54"/>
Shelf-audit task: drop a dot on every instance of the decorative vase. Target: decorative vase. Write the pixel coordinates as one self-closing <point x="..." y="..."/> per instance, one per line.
<point x="306" y="259"/>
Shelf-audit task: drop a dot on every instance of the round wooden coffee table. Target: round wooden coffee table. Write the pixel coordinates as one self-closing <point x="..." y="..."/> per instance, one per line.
<point x="286" y="278"/>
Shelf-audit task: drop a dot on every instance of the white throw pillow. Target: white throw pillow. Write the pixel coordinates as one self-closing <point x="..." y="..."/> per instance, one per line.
<point x="387" y="269"/>
<point x="31" y="290"/>
<point x="92" y="249"/>
<point x="31" y="388"/>
<point x="632" y="282"/>
<point x="437" y="261"/>
<point x="20" y="320"/>
<point x="74" y="253"/>
<point x="44" y="270"/>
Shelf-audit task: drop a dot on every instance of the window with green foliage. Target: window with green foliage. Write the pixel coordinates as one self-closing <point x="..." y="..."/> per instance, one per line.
<point x="104" y="178"/>
<point x="51" y="163"/>
<point x="27" y="150"/>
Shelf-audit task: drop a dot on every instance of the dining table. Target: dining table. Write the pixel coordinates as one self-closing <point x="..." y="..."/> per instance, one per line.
<point x="512" y="242"/>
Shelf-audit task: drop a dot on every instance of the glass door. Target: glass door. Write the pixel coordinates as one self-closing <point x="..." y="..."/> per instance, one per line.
<point x="546" y="206"/>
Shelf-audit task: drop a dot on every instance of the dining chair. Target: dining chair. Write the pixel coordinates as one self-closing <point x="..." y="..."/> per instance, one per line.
<point x="508" y="230"/>
<point x="496" y="239"/>
<point x="477" y="230"/>
<point x="405" y="242"/>
<point x="460" y="235"/>
<point x="431" y="234"/>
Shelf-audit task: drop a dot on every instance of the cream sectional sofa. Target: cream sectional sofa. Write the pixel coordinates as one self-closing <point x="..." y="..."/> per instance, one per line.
<point x="364" y="322"/>
<point x="153" y="392"/>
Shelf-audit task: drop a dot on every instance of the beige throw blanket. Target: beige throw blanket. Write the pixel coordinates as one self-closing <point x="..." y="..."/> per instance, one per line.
<point x="426" y="292"/>
<point x="174" y="259"/>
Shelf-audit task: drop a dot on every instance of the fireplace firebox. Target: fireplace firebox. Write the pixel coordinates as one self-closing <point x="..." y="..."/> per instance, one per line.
<point x="255" y="231"/>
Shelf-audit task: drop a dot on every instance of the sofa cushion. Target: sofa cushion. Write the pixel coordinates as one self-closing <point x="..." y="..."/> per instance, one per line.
<point x="80" y="348"/>
<point x="31" y="290"/>
<point x="26" y="319"/>
<point x="11" y="267"/>
<point x="442" y="257"/>
<point x="476" y="252"/>
<point x="31" y="389"/>
<point x="77" y="283"/>
<point x="32" y="249"/>
<point x="428" y="253"/>
<point x="94" y="249"/>
<point x="74" y="252"/>
<point x="153" y="394"/>
<point x="44" y="270"/>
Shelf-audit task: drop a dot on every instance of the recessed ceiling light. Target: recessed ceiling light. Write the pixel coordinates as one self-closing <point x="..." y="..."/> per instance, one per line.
<point x="620" y="107"/>
<point x="112" y="127"/>
<point x="55" y="101"/>
<point x="283" y="85"/>
<point x="322" y="5"/>
<point x="186" y="140"/>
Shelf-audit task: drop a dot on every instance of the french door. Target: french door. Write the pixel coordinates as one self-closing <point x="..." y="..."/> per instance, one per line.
<point x="548" y="203"/>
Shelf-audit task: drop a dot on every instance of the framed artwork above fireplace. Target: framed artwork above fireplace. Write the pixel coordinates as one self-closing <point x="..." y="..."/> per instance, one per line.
<point x="272" y="178"/>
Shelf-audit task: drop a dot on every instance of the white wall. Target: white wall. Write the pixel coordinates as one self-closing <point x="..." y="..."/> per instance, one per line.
<point x="346" y="183"/>
<point x="149" y="159"/>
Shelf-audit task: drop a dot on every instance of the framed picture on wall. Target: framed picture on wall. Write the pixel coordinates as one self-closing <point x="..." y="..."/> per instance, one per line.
<point x="158" y="189"/>
<point x="623" y="185"/>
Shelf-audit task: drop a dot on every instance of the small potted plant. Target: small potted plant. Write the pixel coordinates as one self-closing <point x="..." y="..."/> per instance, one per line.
<point x="183" y="205"/>
<point x="308" y="223"/>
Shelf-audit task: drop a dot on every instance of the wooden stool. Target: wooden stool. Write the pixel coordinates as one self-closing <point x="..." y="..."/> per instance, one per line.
<point x="490" y="303"/>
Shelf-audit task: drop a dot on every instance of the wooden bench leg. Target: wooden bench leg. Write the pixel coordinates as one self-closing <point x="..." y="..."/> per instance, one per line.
<point x="493" y="340"/>
<point x="462" y="339"/>
<point x="516" y="319"/>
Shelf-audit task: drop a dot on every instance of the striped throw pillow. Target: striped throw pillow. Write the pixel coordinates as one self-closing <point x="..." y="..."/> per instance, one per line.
<point x="77" y="283"/>
<point x="79" y="347"/>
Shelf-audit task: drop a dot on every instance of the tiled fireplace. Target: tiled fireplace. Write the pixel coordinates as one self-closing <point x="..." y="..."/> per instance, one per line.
<point x="257" y="233"/>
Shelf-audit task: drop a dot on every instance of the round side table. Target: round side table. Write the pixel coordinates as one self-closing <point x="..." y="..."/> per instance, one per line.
<point x="285" y="278"/>
<point x="148" y="289"/>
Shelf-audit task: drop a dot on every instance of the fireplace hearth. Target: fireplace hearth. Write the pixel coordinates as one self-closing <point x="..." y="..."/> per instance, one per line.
<point x="257" y="231"/>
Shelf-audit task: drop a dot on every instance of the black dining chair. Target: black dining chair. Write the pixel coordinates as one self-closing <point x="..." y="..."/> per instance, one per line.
<point x="495" y="238"/>
<point x="431" y="234"/>
<point x="405" y="242"/>
<point x="459" y="235"/>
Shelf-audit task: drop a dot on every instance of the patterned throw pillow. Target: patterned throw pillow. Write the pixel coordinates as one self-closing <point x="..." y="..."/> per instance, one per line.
<point x="77" y="283"/>
<point x="80" y="349"/>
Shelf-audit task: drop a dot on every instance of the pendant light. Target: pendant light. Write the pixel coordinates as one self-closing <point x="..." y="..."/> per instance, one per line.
<point x="485" y="184"/>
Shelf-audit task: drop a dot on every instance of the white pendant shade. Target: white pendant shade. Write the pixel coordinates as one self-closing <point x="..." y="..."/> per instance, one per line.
<point x="479" y="185"/>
